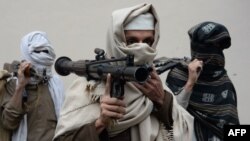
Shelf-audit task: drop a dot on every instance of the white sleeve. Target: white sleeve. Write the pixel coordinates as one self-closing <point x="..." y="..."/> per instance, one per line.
<point x="183" y="127"/>
<point x="183" y="98"/>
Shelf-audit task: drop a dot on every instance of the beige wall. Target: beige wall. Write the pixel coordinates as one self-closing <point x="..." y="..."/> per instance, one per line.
<point x="76" y="27"/>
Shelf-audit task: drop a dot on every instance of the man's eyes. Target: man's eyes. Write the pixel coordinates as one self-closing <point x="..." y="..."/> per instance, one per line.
<point x="131" y="41"/>
<point x="147" y="41"/>
<point x="45" y="51"/>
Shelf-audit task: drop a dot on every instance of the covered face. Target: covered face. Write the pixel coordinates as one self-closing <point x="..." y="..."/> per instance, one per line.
<point x="36" y="48"/>
<point x="134" y="31"/>
<point x="208" y="40"/>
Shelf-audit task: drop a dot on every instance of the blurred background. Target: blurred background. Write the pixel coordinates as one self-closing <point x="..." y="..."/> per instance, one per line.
<point x="76" y="27"/>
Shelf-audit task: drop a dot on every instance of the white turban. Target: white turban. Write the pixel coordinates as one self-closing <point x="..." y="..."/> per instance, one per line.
<point x="138" y="17"/>
<point x="32" y="47"/>
<point x="142" y="22"/>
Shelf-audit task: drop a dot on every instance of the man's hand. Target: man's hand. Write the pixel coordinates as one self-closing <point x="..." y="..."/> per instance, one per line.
<point x="153" y="88"/>
<point x="194" y="70"/>
<point x="17" y="98"/>
<point x="110" y="108"/>
<point x="22" y="79"/>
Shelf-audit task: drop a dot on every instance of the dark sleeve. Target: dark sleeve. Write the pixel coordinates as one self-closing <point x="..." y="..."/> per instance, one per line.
<point x="164" y="112"/>
<point x="11" y="114"/>
<point x="86" y="132"/>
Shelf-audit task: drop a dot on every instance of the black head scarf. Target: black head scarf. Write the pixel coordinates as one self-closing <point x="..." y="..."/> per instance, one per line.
<point x="208" y="40"/>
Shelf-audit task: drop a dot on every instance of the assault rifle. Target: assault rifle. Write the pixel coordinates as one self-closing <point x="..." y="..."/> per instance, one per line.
<point x="163" y="64"/>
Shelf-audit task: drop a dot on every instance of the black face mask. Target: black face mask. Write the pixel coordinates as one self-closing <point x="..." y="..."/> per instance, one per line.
<point x="208" y="40"/>
<point x="213" y="64"/>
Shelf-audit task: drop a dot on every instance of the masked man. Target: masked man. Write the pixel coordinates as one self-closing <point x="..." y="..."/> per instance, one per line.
<point x="33" y="99"/>
<point x="210" y="96"/>
<point x="146" y="112"/>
